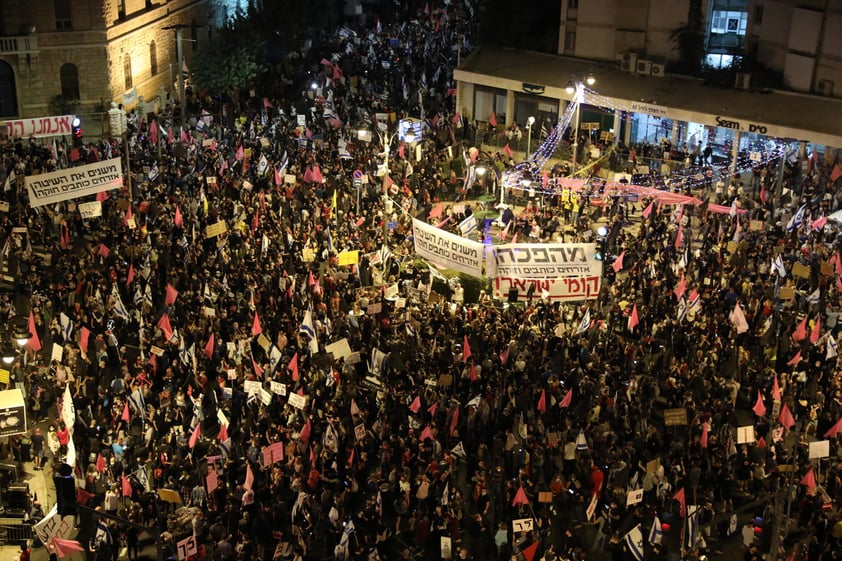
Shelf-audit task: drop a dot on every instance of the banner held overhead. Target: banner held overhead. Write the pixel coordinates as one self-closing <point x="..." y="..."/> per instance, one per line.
<point x="75" y="182"/>
<point x="447" y="250"/>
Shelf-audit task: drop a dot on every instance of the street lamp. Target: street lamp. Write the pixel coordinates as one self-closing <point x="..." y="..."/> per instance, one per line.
<point x="529" y="122"/>
<point x="576" y="88"/>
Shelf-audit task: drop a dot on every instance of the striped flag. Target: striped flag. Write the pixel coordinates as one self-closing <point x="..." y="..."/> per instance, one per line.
<point x="308" y="328"/>
<point x="634" y="541"/>
<point x="656" y="533"/>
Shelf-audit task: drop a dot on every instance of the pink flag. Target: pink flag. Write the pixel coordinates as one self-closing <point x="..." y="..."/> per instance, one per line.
<point x="426" y="433"/>
<point x="278" y="179"/>
<point x="492" y="120"/>
<point x="836" y="173"/>
<point x="255" y="326"/>
<point x="529" y="552"/>
<point x="816" y="331"/>
<point x="223" y="433"/>
<point x="126" y="486"/>
<point x="308" y="176"/>
<point x="508" y="151"/>
<point x="820" y="223"/>
<point x="153" y="131"/>
<point x="171" y="295"/>
<point x="776" y="389"/>
<point x="178" y="220"/>
<point x="454" y="421"/>
<point x="617" y="265"/>
<point x="256" y="367"/>
<point x="679" y="237"/>
<point x="568" y="397"/>
<point x="633" y="318"/>
<point x="266" y="103"/>
<point x="466" y="349"/>
<point x="126" y="416"/>
<point x="761" y="442"/>
<point x="83" y="339"/>
<point x="436" y="212"/>
<point x="249" y="482"/>
<point x="786" y="418"/>
<point x="542" y="402"/>
<point x="738" y="318"/>
<point x="100" y="463"/>
<point x="648" y="210"/>
<point x="504" y="356"/>
<point x="34" y="343"/>
<point x="240" y="152"/>
<point x="351" y="456"/>
<point x="209" y="347"/>
<point x="704" y="441"/>
<point x="433" y="408"/>
<point x="520" y="497"/>
<point x="165" y="326"/>
<point x="169" y="134"/>
<point x="317" y="175"/>
<point x="681" y="288"/>
<point x="194" y="438"/>
<point x="304" y="435"/>
<point x="682" y="503"/>
<point x="103" y="251"/>
<point x="400" y="150"/>
<point x="759" y="407"/>
<point x="130" y="274"/>
<point x="800" y="332"/>
<point x="293" y="367"/>
<point x="415" y="406"/>
<point x="834" y="430"/>
<point x="809" y="481"/>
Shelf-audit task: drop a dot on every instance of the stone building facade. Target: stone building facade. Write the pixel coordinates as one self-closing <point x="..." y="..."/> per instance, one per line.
<point x="76" y="56"/>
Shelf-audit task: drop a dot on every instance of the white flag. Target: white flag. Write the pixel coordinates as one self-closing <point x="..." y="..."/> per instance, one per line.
<point x="585" y="323"/>
<point x="634" y="540"/>
<point x="738" y="318"/>
<point x="831" y="347"/>
<point x="656" y="533"/>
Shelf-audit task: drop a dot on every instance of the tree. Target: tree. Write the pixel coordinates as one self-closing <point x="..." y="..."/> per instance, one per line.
<point x="689" y="39"/>
<point x="230" y="63"/>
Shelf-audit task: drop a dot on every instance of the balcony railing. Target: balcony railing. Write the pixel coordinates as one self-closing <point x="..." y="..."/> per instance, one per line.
<point x="725" y="41"/>
<point x="25" y="44"/>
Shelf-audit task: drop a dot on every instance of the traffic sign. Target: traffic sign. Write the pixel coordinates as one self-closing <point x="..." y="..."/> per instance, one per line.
<point x="358" y="174"/>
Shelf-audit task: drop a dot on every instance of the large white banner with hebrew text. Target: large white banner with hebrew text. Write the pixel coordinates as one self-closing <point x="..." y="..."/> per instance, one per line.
<point x="75" y="182"/>
<point x="446" y="249"/>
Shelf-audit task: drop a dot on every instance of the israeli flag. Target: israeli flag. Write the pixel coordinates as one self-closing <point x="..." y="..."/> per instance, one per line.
<point x="137" y="401"/>
<point x="634" y="541"/>
<point x="581" y="441"/>
<point x="681" y="311"/>
<point x="796" y="219"/>
<point x="585" y="323"/>
<point x="263" y="164"/>
<point x="153" y="172"/>
<point x="468" y="225"/>
<point x="66" y="326"/>
<point x="282" y="167"/>
<point x="831" y="347"/>
<point x="308" y="328"/>
<point x="656" y="533"/>
<point x="119" y="307"/>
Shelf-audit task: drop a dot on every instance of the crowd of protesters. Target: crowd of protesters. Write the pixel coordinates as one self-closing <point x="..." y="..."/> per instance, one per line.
<point x="197" y="364"/>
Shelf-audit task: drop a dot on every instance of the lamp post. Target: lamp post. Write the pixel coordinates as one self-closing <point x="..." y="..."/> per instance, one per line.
<point x="179" y="53"/>
<point x="529" y="122"/>
<point x="117" y="122"/>
<point x="577" y="87"/>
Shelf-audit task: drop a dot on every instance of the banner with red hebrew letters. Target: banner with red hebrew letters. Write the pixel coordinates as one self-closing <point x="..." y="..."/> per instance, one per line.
<point x="565" y="289"/>
<point x="39" y="127"/>
<point x="543" y="261"/>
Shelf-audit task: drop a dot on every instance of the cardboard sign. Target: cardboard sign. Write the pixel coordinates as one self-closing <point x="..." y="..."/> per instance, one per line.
<point x="278" y="388"/>
<point x="755" y="225"/>
<point x="57" y="353"/>
<point x="348" y="258"/>
<point x="446" y="547"/>
<point x="522" y="525"/>
<point x="819" y="449"/>
<point x="216" y="229"/>
<point x="801" y="271"/>
<point x="187" y="548"/>
<point x="252" y="386"/>
<point x="265" y="397"/>
<point x="675" y="417"/>
<point x="787" y="293"/>
<point x="745" y="435"/>
<point x="339" y="349"/>
<point x="826" y="269"/>
<point x="653" y="465"/>
<point x="92" y="209"/>
<point x="374" y="308"/>
<point x="545" y="496"/>
<point x="273" y="453"/>
<point x="634" y="497"/>
<point x="353" y="358"/>
<point x="297" y="401"/>
<point x="360" y="432"/>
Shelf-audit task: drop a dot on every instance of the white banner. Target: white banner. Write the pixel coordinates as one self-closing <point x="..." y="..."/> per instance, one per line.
<point x="570" y="289"/>
<point x="543" y="261"/>
<point x="447" y="250"/>
<point x="40" y="127"/>
<point x="72" y="183"/>
<point x="53" y="526"/>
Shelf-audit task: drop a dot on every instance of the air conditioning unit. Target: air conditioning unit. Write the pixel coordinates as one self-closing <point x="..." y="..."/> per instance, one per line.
<point x="644" y="67"/>
<point x="742" y="81"/>
<point x="659" y="70"/>
<point x="824" y="87"/>
<point x="628" y="62"/>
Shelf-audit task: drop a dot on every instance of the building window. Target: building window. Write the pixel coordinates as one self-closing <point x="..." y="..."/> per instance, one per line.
<point x="758" y="15"/>
<point x="121" y="9"/>
<point x="572" y="4"/>
<point x="153" y="58"/>
<point x="63" y="17"/>
<point x="8" y="91"/>
<point x="729" y="22"/>
<point x="570" y="42"/>
<point x="69" y="76"/>
<point x="127" y="71"/>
